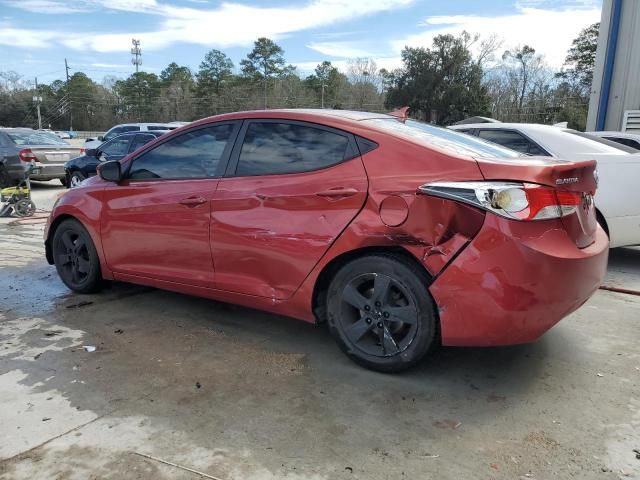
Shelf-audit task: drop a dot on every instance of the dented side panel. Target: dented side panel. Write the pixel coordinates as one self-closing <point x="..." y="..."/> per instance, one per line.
<point x="268" y="232"/>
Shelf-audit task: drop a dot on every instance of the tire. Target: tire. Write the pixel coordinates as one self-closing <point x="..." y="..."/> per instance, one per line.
<point x="5" y="180"/>
<point x="24" y="208"/>
<point x="75" y="179"/>
<point x="76" y="258"/>
<point x="380" y="312"/>
<point x="64" y="182"/>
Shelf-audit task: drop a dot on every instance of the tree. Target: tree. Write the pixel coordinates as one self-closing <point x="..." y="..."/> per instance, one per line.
<point x="138" y="94"/>
<point x="581" y="58"/>
<point x="441" y="84"/>
<point x="214" y="70"/>
<point x="265" y="61"/>
<point x="525" y="60"/>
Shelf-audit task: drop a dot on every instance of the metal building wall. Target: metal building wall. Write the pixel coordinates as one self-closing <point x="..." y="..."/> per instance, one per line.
<point x="617" y="65"/>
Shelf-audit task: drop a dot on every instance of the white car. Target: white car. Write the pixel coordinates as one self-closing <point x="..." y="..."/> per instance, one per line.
<point x="618" y="196"/>
<point x="93" y="142"/>
<point x="625" y="138"/>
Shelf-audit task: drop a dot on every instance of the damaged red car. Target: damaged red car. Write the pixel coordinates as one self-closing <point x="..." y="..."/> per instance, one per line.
<point x="399" y="235"/>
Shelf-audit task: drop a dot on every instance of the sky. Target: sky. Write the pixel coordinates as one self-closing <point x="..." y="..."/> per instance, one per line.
<point x="95" y="35"/>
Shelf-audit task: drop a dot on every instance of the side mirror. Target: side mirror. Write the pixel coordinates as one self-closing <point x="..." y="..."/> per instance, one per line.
<point x="101" y="138"/>
<point x="91" y="152"/>
<point x="110" y="171"/>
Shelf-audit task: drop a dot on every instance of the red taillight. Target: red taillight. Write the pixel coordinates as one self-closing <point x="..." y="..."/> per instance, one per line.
<point x="546" y="202"/>
<point x="519" y="201"/>
<point x="26" y="155"/>
<point x="82" y="150"/>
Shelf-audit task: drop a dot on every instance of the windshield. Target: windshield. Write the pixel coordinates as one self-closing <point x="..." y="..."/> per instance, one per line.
<point x="445" y="139"/>
<point x="36" y="138"/>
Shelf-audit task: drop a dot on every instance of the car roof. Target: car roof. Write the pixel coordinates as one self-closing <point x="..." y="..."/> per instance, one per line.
<point x="143" y="124"/>
<point x="157" y="133"/>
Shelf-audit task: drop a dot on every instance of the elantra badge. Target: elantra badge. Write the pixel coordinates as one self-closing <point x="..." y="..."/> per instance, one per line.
<point x="566" y="181"/>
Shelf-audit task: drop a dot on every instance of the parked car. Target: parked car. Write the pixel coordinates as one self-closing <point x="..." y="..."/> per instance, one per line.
<point x="618" y="198"/>
<point x="398" y="235"/>
<point x="92" y="142"/>
<point x="84" y="166"/>
<point x="21" y="146"/>
<point x="625" y="138"/>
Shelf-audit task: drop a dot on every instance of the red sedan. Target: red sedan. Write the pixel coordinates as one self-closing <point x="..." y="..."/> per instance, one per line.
<point x="397" y="234"/>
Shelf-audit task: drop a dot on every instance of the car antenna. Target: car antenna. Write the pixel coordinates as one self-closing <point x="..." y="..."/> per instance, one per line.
<point x="401" y="114"/>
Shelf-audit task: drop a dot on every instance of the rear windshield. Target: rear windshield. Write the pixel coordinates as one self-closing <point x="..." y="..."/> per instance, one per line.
<point x="35" y="138"/>
<point x="444" y="139"/>
<point x="604" y="141"/>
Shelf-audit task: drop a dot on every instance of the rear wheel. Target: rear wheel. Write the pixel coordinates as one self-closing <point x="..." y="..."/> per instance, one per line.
<point x="63" y="181"/>
<point x="380" y="312"/>
<point x="76" y="258"/>
<point x="24" y="208"/>
<point x="75" y="179"/>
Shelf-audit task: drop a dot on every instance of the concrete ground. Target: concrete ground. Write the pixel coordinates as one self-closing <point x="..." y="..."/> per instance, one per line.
<point x="241" y="394"/>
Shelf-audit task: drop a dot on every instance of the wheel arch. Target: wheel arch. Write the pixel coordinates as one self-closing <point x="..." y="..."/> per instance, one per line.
<point x="52" y="230"/>
<point x="321" y="286"/>
<point x="602" y="221"/>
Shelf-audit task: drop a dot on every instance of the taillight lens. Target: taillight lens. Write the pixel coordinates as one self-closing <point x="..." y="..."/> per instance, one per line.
<point x="519" y="201"/>
<point x="82" y="150"/>
<point x="26" y="155"/>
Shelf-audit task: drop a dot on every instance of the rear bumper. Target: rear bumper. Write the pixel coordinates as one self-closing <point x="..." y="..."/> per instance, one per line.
<point x="515" y="281"/>
<point x="49" y="172"/>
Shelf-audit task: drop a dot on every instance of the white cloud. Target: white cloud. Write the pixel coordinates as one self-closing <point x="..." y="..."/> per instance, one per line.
<point x="342" y="49"/>
<point x="230" y="24"/>
<point x="48" y="6"/>
<point x="549" y="31"/>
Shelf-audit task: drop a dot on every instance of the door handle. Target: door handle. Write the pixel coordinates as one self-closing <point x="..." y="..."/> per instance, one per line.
<point x="192" y="201"/>
<point x="337" y="192"/>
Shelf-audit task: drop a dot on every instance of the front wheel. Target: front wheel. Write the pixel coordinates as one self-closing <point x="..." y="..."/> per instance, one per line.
<point x="76" y="258"/>
<point x="380" y="312"/>
<point x="75" y="179"/>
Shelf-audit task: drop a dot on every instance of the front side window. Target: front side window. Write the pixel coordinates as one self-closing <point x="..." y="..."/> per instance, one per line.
<point x="194" y="154"/>
<point x="275" y="148"/>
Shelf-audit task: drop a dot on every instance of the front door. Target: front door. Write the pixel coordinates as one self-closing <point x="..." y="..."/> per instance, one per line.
<point x="156" y="222"/>
<point x="290" y="191"/>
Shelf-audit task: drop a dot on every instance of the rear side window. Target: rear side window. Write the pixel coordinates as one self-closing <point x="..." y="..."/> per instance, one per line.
<point x="507" y="138"/>
<point x="275" y="148"/>
<point x="194" y="154"/>
<point x="159" y="127"/>
<point x="117" y="146"/>
<point x="140" y="140"/>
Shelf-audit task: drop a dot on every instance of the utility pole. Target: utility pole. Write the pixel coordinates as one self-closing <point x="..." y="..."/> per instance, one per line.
<point x="322" y="95"/>
<point x="136" y="52"/>
<point x="66" y="67"/>
<point x="38" y="100"/>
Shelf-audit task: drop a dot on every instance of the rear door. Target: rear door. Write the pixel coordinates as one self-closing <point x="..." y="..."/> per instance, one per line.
<point x="155" y="223"/>
<point x="290" y="190"/>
